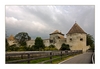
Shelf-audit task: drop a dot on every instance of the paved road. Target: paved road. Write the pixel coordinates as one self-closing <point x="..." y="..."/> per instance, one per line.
<point x="84" y="58"/>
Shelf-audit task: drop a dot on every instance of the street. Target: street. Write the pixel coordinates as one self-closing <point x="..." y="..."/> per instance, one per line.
<point x="84" y="58"/>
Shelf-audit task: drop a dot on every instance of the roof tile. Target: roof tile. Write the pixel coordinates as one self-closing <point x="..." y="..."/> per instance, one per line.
<point x="76" y="29"/>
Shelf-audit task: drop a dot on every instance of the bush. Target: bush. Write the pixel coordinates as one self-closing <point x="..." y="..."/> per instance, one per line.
<point x="64" y="47"/>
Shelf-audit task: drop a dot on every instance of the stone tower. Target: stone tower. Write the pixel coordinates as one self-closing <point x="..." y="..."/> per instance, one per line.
<point x="55" y="35"/>
<point x="57" y="38"/>
<point x="76" y="38"/>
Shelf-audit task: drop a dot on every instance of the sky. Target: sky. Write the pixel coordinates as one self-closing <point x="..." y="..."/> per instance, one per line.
<point x="40" y="21"/>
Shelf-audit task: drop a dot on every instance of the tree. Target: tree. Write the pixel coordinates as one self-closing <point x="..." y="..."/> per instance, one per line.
<point x="90" y="41"/>
<point x="13" y="47"/>
<point x="32" y="48"/>
<point x="22" y="48"/>
<point x="51" y="46"/>
<point x="6" y="45"/>
<point x="64" y="47"/>
<point x="39" y="45"/>
<point x="22" y="37"/>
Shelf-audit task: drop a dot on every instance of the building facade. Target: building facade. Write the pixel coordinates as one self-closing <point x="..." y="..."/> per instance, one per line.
<point x="75" y="38"/>
<point x="11" y="40"/>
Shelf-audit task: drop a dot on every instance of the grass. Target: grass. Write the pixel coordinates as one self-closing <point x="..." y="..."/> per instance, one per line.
<point x="56" y="61"/>
<point x="42" y="59"/>
<point x="38" y="60"/>
<point x="59" y="60"/>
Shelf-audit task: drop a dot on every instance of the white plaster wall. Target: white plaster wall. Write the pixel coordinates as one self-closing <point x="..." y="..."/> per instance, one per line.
<point x="46" y="42"/>
<point x="59" y="43"/>
<point x="11" y="43"/>
<point x="76" y="44"/>
<point x="30" y="42"/>
<point x="55" y="36"/>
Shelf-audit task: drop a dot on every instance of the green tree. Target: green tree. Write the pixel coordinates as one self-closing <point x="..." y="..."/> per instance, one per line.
<point x="22" y="48"/>
<point x="90" y="41"/>
<point x="32" y="48"/>
<point x="14" y="47"/>
<point x="6" y="45"/>
<point x="51" y="46"/>
<point x="22" y="37"/>
<point x="39" y="45"/>
<point x="64" y="47"/>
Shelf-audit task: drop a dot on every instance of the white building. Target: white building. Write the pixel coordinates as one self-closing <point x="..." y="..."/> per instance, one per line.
<point x="30" y="43"/>
<point x="11" y="40"/>
<point x="76" y="38"/>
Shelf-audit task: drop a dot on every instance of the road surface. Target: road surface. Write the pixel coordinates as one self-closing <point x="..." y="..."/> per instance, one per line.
<point x="84" y="58"/>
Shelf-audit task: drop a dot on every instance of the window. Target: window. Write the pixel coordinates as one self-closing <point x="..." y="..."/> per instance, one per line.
<point x="51" y="41"/>
<point x="14" y="42"/>
<point x="58" y="37"/>
<point x="70" y="39"/>
<point x="81" y="39"/>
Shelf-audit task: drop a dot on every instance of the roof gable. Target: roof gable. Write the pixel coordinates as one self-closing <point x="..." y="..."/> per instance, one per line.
<point x="61" y="37"/>
<point x="11" y="37"/>
<point x="76" y="29"/>
<point x="57" y="32"/>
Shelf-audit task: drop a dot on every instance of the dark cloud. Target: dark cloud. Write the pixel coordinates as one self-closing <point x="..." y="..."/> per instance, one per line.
<point x="43" y="20"/>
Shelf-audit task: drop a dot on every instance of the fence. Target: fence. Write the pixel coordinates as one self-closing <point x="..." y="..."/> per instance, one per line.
<point x="27" y="56"/>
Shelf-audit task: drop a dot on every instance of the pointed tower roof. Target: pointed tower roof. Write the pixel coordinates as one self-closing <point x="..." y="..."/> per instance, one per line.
<point x="11" y="37"/>
<point x="57" y="32"/>
<point x="76" y="29"/>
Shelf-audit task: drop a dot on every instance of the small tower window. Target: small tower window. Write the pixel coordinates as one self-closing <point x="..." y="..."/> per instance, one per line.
<point x="51" y="41"/>
<point x="70" y="39"/>
<point x="81" y="39"/>
<point x="58" y="37"/>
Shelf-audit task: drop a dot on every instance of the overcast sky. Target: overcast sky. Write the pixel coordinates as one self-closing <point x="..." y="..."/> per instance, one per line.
<point x="43" y="20"/>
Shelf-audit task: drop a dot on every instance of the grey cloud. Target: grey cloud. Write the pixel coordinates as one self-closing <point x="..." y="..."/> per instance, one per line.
<point x="51" y="17"/>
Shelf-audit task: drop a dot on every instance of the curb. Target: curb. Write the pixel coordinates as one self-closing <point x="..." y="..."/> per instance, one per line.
<point x="93" y="59"/>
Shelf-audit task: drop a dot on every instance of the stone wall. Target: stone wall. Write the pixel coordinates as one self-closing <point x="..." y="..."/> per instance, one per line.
<point x="59" y="43"/>
<point x="77" y="41"/>
<point x="30" y="43"/>
<point x="46" y="42"/>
